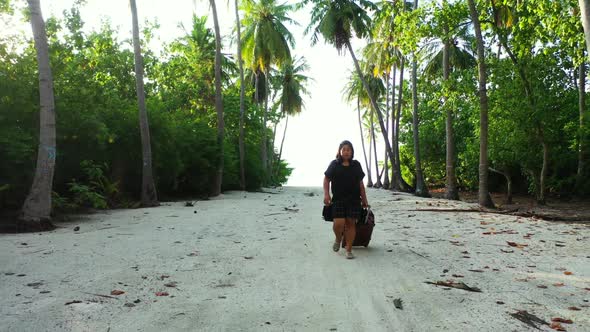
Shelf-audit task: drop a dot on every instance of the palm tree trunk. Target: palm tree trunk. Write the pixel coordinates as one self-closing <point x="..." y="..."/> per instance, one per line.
<point x="585" y="16"/>
<point x="582" y="137"/>
<point x="378" y="182"/>
<point x="367" y="166"/>
<point x="218" y="103"/>
<point x="421" y="189"/>
<point x="483" y="196"/>
<point x="451" y="191"/>
<point x="371" y="184"/>
<point x="36" y="210"/>
<point x="149" y="196"/>
<point x="404" y="186"/>
<point x="394" y="146"/>
<point x="242" y="101"/>
<point x="372" y="99"/>
<point x="387" y="111"/>
<point x="264" y="146"/>
<point x="283" y="140"/>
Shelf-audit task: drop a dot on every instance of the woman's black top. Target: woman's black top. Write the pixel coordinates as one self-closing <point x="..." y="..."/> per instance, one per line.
<point x="345" y="181"/>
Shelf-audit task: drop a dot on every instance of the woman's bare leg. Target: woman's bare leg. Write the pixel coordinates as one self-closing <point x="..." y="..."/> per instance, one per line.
<point x="338" y="228"/>
<point x="350" y="233"/>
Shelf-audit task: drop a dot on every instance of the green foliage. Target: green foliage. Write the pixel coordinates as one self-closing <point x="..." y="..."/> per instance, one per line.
<point x="98" y="146"/>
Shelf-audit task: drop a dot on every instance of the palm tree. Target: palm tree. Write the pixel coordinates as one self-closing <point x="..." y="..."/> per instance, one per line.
<point x="421" y="189"/>
<point x="353" y="92"/>
<point x="148" y="188"/>
<point x="265" y="42"/>
<point x="483" y="195"/>
<point x="445" y="59"/>
<point x="336" y="21"/>
<point x="242" y="96"/>
<point x="218" y="103"/>
<point x="293" y="87"/>
<point x="585" y="17"/>
<point x="36" y="210"/>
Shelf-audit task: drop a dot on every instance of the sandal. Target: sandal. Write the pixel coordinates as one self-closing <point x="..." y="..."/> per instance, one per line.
<point x="336" y="246"/>
<point x="349" y="255"/>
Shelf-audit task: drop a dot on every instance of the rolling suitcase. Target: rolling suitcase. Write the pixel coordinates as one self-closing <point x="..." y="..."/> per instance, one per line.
<point x="364" y="229"/>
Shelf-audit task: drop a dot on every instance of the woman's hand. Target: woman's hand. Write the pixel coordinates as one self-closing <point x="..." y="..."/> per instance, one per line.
<point x="365" y="203"/>
<point x="327" y="199"/>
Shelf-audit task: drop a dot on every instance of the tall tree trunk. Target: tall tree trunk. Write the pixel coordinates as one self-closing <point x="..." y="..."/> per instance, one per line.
<point x="585" y="16"/>
<point x="367" y="165"/>
<point x="370" y="158"/>
<point x="483" y="196"/>
<point x="404" y="186"/>
<point x="544" y="168"/>
<point x="264" y="146"/>
<point x="581" y="136"/>
<point x="36" y="210"/>
<point x="283" y="140"/>
<point x="421" y="189"/>
<point x="242" y="101"/>
<point x="387" y="111"/>
<point x="149" y="196"/>
<point x="218" y="103"/>
<point x="374" y="140"/>
<point x="451" y="191"/>
<point x="394" y="144"/>
<point x="372" y="99"/>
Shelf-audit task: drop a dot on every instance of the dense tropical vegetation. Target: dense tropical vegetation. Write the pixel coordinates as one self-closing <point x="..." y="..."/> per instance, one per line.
<point x="465" y="95"/>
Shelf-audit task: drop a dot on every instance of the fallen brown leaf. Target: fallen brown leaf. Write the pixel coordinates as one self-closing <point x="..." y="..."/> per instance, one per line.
<point x="72" y="302"/>
<point x="162" y="294"/>
<point x="541" y="286"/>
<point x="556" y="326"/>
<point x="517" y="245"/>
<point x="567" y="273"/>
<point x="117" y="292"/>
<point x="562" y="320"/>
<point x="559" y="284"/>
<point x="574" y="308"/>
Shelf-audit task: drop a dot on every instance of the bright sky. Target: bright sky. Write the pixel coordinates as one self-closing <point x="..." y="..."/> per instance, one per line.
<point x="313" y="136"/>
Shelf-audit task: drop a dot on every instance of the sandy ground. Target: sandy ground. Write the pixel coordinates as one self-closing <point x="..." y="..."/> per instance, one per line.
<point x="263" y="262"/>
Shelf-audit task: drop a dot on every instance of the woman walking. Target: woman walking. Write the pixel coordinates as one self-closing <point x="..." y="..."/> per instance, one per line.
<point x="345" y="177"/>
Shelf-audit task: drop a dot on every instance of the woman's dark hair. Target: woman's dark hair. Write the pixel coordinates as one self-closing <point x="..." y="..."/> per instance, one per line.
<point x="342" y="144"/>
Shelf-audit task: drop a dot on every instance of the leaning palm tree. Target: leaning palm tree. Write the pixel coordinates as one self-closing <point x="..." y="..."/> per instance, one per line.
<point x="353" y="92"/>
<point x="384" y="54"/>
<point x="336" y="21"/>
<point x="36" y="210"/>
<point x="293" y="86"/>
<point x="148" y="187"/>
<point x="218" y="103"/>
<point x="265" y="42"/>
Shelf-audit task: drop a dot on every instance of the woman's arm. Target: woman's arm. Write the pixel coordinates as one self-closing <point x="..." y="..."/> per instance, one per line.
<point x="364" y="195"/>
<point x="327" y="199"/>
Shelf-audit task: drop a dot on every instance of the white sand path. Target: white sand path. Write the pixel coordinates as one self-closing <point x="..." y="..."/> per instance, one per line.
<point x="263" y="262"/>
